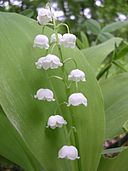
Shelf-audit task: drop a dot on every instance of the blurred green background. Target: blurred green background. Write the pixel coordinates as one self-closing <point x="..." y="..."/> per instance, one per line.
<point x="74" y="12"/>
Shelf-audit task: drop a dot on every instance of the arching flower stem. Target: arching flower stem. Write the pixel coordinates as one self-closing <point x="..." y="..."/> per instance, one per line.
<point x="70" y="59"/>
<point x="63" y="24"/>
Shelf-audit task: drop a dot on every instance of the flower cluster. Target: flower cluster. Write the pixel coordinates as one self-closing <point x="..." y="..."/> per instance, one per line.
<point x="68" y="40"/>
<point x="51" y="61"/>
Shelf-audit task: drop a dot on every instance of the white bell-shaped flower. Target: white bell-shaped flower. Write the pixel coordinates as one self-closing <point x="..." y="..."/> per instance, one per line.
<point x="68" y="152"/>
<point x="41" y="41"/>
<point x="49" y="61"/>
<point x="77" y="99"/>
<point x="44" y="94"/>
<point x="44" y="16"/>
<point x="56" y="121"/>
<point x="53" y="38"/>
<point x="76" y="75"/>
<point x="69" y="40"/>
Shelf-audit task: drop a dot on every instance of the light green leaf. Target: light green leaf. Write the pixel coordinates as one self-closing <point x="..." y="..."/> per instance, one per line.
<point x="13" y="148"/>
<point x="115" y="26"/>
<point x="115" y="96"/>
<point x="96" y="54"/>
<point x="93" y="26"/>
<point x="19" y="82"/>
<point x="120" y="163"/>
<point x="114" y="150"/>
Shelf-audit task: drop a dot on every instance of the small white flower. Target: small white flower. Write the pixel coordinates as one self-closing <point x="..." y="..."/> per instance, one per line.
<point x="56" y="121"/>
<point x="76" y="75"/>
<point x="68" y="152"/>
<point x="53" y="38"/>
<point x="49" y="61"/>
<point x="76" y="99"/>
<point x="44" y="94"/>
<point x="44" y="16"/>
<point x="69" y="40"/>
<point x="41" y="41"/>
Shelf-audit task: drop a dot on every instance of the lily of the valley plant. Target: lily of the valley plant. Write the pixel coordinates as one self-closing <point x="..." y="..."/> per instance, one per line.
<point x="51" y="61"/>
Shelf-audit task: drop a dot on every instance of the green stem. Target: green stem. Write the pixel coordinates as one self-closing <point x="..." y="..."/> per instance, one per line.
<point x="54" y="45"/>
<point x="57" y="38"/>
<point x="70" y="59"/>
<point x="118" y="65"/>
<point x="63" y="24"/>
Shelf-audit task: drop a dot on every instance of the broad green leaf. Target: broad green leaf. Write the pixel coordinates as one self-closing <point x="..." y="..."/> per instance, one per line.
<point x="115" y="96"/>
<point x="13" y="148"/>
<point x="104" y="36"/>
<point x="93" y="26"/>
<point x="120" y="163"/>
<point x="115" y="26"/>
<point x="96" y="54"/>
<point x="19" y="82"/>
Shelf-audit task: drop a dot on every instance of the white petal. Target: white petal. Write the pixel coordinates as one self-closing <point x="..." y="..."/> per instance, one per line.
<point x="41" y="41"/>
<point x="44" y="16"/>
<point x="52" y="122"/>
<point x="44" y="94"/>
<point x="69" y="152"/>
<point x="63" y="152"/>
<point x="69" y="40"/>
<point x="72" y="153"/>
<point x="76" y="99"/>
<point x="76" y="75"/>
<point x="60" y="120"/>
<point x="48" y="62"/>
<point x="56" y="121"/>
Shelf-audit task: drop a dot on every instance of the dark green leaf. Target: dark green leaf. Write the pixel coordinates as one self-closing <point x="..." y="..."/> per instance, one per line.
<point x="96" y="54"/>
<point x="93" y="26"/>
<point x="115" y="96"/>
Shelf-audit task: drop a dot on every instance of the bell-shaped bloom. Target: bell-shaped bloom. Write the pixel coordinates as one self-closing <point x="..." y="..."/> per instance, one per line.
<point x="44" y="94"/>
<point x="41" y="41"/>
<point x="44" y="16"/>
<point x="56" y="121"/>
<point x="77" y="99"/>
<point x="48" y="62"/>
<point x="53" y="38"/>
<point x="76" y="75"/>
<point x="69" y="40"/>
<point x="68" y="152"/>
